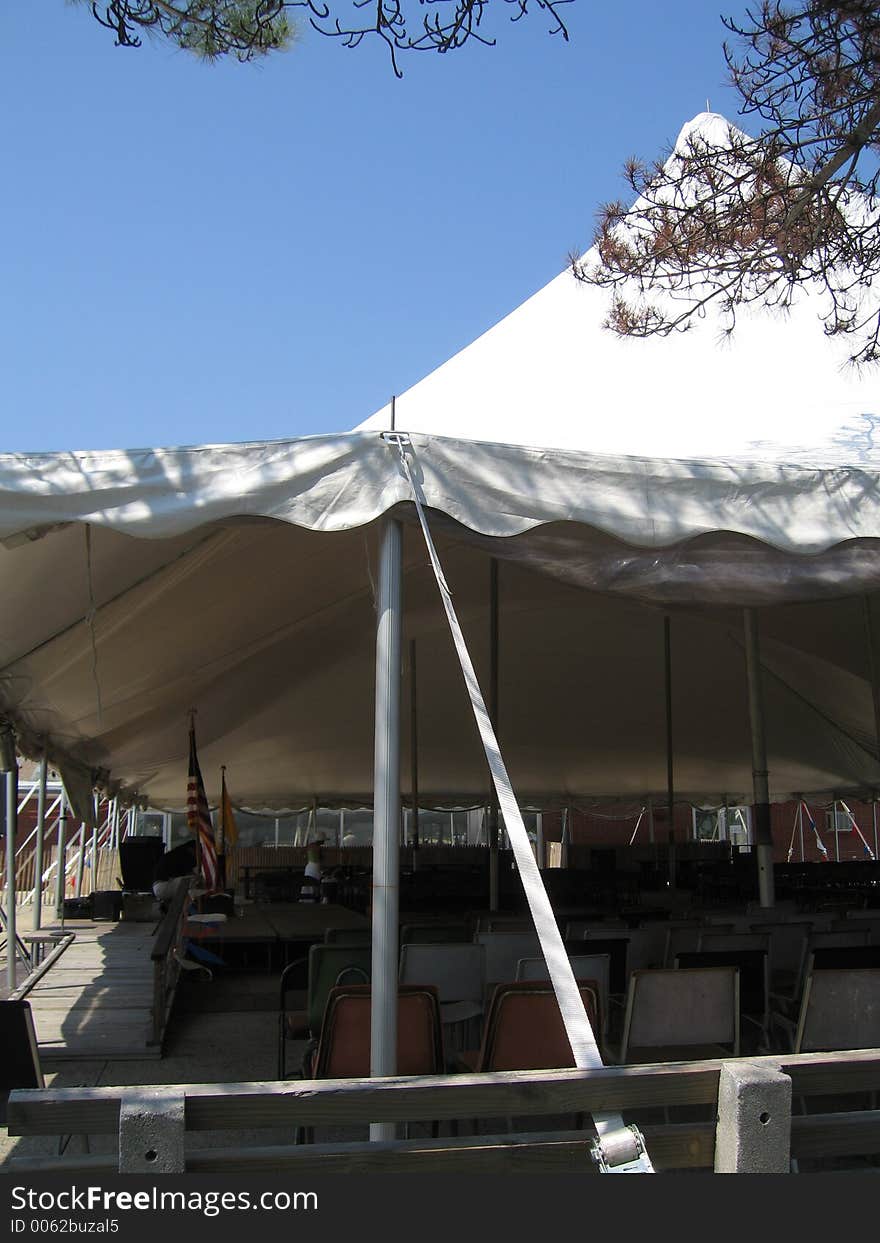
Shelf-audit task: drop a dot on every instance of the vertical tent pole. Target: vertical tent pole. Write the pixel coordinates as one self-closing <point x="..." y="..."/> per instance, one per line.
<point x="539" y="840"/>
<point x="800" y="815"/>
<point x="38" y="850"/>
<point x="726" y="837"/>
<point x="493" y="717"/>
<point x="386" y="814"/>
<point x="277" y="827"/>
<point x="414" y="749"/>
<point x="94" y="847"/>
<point x="11" y="826"/>
<point x="80" y="858"/>
<point x="61" y="857"/>
<point x="872" y="666"/>
<point x="760" y="775"/>
<point x="875" y="696"/>
<point x="670" y="770"/>
<point x="834" y="827"/>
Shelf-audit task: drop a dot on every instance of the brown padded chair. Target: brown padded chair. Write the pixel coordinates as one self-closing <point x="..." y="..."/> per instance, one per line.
<point x="524" y="1028"/>
<point x="343" y="1050"/>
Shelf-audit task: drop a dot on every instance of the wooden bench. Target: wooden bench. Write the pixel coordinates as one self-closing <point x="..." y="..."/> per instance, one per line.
<point x="153" y="1123"/>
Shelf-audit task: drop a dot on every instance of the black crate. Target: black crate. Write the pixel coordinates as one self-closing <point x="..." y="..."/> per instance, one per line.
<point x="78" y="908"/>
<point x="107" y="904"/>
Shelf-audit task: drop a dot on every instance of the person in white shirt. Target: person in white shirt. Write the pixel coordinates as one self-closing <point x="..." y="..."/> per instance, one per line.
<point x="310" y="890"/>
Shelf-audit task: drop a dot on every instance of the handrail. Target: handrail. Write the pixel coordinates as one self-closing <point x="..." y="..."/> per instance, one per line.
<point x="165" y="956"/>
<point x="405" y="1098"/>
<point x="169" y="926"/>
<point x="289" y="1104"/>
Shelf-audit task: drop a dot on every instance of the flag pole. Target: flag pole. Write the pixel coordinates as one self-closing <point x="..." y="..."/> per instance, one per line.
<point x="197" y="834"/>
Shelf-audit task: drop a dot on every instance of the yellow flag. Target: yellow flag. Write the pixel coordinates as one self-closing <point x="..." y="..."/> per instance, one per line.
<point x="227" y="819"/>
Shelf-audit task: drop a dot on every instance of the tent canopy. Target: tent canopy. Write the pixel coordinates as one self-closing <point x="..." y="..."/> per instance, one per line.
<point x="239" y="581"/>
<point x="614" y="481"/>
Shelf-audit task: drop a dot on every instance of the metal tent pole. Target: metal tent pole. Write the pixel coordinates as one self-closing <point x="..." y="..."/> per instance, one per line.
<point x="493" y="717"/>
<point x="386" y="812"/>
<point x="60" y="859"/>
<point x="414" y="751"/>
<point x="872" y="666"/>
<point x="760" y="775"/>
<point x="10" y="765"/>
<point x="81" y="858"/>
<point x="670" y="755"/>
<point x="94" y="845"/>
<point x="800" y="816"/>
<point x="38" y="849"/>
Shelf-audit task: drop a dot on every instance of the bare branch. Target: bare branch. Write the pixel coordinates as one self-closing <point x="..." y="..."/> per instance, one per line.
<point x="250" y="28"/>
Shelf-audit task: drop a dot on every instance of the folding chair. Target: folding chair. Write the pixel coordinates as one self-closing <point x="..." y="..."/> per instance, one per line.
<point x="524" y="1028"/>
<point x="343" y="1050"/>
<point x="594" y="969"/>
<point x="328" y="965"/>
<point x="458" y="972"/>
<point x="674" y="1015"/>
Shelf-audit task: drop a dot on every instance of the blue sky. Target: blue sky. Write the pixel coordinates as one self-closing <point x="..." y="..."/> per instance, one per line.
<point x="196" y="253"/>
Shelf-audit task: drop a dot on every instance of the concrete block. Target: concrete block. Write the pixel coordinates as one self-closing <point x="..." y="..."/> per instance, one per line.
<point x="753" y="1133"/>
<point x="152" y="1127"/>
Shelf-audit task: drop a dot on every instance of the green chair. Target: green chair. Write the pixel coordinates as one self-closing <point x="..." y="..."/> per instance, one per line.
<point x="328" y="966"/>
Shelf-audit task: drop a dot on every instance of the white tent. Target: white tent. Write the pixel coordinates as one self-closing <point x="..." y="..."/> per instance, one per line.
<point x="550" y="374"/>
<point x="669" y="476"/>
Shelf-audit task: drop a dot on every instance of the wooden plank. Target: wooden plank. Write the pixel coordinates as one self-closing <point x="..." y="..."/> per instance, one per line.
<point x="96" y="999"/>
<point x="404" y="1098"/>
<point x="304" y="921"/>
<point x="518" y="1093"/>
<point x="846" y="1134"/>
<point x="674" y="1147"/>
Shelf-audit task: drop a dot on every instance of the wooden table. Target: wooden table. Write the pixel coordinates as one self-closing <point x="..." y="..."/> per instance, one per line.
<point x="308" y="921"/>
<point x="274" y="924"/>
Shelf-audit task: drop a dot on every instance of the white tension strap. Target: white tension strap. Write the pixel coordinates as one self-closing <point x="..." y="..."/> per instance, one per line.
<point x="619" y="1148"/>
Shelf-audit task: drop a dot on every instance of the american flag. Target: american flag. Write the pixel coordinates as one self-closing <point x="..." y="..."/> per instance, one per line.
<point x="198" y="817"/>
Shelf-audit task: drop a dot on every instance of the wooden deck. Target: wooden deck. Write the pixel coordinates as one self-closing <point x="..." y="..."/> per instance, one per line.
<point x="95" y="1001"/>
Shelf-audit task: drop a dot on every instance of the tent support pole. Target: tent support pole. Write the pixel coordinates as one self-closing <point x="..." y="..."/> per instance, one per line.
<point x="61" y="859"/>
<point x="872" y="666"/>
<point x="800" y="816"/>
<point x="11" y="826"/>
<point x="386" y="812"/>
<point x="414" y="749"/>
<point x="38" y="849"/>
<point x="80" y="860"/>
<point x="94" y="848"/>
<point x="760" y="775"/>
<point x="670" y="755"/>
<point x="493" y="716"/>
